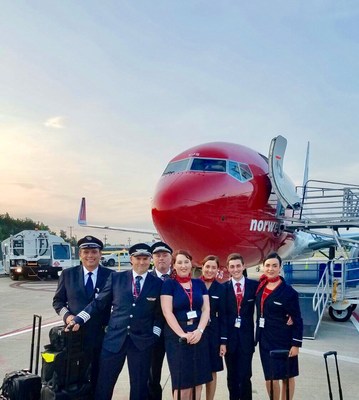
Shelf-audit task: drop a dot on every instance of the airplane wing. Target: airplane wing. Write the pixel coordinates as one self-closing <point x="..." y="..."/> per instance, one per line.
<point x="82" y="221"/>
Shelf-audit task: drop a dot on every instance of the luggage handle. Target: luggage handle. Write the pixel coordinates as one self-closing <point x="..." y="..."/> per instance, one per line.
<point x="39" y="319"/>
<point x="325" y="355"/>
<point x="330" y="353"/>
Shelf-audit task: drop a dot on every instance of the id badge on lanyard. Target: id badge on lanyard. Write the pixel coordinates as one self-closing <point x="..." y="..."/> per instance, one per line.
<point x="237" y="323"/>
<point x="261" y="322"/>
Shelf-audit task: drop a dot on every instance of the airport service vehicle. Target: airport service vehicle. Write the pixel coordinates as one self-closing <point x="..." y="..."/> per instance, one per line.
<point x="35" y="253"/>
<point x="113" y="259"/>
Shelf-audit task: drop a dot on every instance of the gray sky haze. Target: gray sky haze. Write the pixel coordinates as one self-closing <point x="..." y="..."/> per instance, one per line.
<point x="97" y="97"/>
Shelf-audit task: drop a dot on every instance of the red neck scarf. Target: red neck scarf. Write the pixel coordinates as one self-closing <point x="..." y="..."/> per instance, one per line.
<point x="185" y="279"/>
<point x="207" y="279"/>
<point x="264" y="280"/>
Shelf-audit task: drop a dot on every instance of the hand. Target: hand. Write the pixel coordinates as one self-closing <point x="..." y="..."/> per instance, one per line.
<point x="222" y="350"/>
<point x="69" y="319"/>
<point x="294" y="351"/>
<point x="195" y="336"/>
<point x="72" y="326"/>
<point x="289" y="321"/>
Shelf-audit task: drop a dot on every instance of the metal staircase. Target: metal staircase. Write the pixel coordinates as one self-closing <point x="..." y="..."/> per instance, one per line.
<point x="325" y="205"/>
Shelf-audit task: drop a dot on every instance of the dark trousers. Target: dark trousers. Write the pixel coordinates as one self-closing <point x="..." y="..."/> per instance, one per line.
<point x="111" y="364"/>
<point x="239" y="373"/>
<point x="154" y="383"/>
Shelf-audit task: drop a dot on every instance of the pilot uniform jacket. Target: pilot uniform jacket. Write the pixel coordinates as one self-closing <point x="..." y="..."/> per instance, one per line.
<point x="135" y="318"/>
<point x="71" y="298"/>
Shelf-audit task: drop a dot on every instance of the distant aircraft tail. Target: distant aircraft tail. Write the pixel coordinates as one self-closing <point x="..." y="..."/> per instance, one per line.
<point x="306" y="166"/>
<point x="82" y="214"/>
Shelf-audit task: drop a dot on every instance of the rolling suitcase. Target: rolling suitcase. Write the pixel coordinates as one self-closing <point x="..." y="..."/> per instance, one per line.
<point x="23" y="384"/>
<point x="279" y="354"/>
<point x="65" y="367"/>
<point x="326" y="355"/>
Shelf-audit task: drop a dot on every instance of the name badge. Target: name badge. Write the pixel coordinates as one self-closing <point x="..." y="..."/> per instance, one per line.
<point x="261" y="322"/>
<point x="237" y="323"/>
<point x="192" y="314"/>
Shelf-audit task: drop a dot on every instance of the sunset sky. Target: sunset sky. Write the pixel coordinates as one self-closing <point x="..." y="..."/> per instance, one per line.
<point x="97" y="97"/>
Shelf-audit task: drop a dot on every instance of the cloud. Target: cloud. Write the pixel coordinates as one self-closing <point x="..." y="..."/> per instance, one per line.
<point x="55" y="122"/>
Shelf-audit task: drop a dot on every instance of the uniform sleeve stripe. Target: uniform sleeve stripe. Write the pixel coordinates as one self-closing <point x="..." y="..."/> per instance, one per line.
<point x="223" y="338"/>
<point x="298" y="340"/>
<point x="157" y="331"/>
<point x="84" y="315"/>
<point x="63" y="311"/>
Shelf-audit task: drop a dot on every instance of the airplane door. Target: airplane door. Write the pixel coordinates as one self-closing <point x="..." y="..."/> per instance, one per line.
<point x="281" y="184"/>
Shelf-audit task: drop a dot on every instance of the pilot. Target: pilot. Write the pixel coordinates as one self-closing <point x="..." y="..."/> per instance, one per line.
<point x="76" y="288"/>
<point x="135" y="324"/>
<point x="162" y="260"/>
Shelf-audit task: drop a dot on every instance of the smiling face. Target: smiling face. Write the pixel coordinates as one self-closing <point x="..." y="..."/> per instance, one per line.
<point x="272" y="267"/>
<point x="182" y="265"/>
<point x="140" y="264"/>
<point x="162" y="261"/>
<point x="90" y="258"/>
<point x="236" y="268"/>
<point x="210" y="269"/>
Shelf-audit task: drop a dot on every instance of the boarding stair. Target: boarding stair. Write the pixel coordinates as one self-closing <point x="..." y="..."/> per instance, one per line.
<point x="325" y="204"/>
<point x="323" y="283"/>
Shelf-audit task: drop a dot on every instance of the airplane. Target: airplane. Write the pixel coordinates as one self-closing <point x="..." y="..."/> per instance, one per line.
<point x="219" y="198"/>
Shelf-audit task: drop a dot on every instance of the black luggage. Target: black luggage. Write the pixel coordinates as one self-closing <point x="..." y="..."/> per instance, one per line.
<point x="23" y="384"/>
<point x="65" y="367"/>
<point x="284" y="355"/>
<point x="325" y="355"/>
<point x="74" y="392"/>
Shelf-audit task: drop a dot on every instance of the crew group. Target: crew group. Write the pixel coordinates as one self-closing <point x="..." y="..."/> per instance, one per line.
<point x="140" y="315"/>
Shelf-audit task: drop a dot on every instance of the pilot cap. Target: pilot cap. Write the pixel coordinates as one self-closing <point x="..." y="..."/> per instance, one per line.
<point x="140" y="249"/>
<point x="90" y="242"/>
<point x="161" y="246"/>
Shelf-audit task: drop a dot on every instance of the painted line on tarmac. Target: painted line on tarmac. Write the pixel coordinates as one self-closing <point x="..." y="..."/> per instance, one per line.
<point x="26" y="330"/>
<point x="317" y="353"/>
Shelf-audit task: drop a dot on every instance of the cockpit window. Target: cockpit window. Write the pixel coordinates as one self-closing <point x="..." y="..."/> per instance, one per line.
<point x="240" y="171"/>
<point x="176" y="166"/>
<point x="237" y="170"/>
<point x="208" y="165"/>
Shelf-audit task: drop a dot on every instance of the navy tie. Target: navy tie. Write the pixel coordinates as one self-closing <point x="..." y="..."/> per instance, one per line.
<point x="165" y="277"/>
<point x="89" y="285"/>
<point x="137" y="290"/>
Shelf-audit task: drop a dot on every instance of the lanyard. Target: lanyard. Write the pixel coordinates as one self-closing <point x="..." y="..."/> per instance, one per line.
<point x="189" y="295"/>
<point x="265" y="294"/>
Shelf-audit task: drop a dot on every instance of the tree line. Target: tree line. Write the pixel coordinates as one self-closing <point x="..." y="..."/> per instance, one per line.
<point x="11" y="226"/>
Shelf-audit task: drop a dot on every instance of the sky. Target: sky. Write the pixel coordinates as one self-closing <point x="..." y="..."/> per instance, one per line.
<point x="97" y="97"/>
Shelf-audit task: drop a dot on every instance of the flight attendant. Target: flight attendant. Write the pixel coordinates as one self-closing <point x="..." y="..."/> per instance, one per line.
<point x="185" y="306"/>
<point x="275" y="301"/>
<point x="240" y="301"/>
<point x="216" y="324"/>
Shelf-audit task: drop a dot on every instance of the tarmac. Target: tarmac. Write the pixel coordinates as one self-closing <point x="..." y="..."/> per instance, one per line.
<point x="21" y="299"/>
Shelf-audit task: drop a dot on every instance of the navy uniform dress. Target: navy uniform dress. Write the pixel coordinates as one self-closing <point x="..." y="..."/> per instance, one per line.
<point x="189" y="364"/>
<point x="214" y="330"/>
<point x="240" y="340"/>
<point x="276" y="334"/>
<point x="71" y="298"/>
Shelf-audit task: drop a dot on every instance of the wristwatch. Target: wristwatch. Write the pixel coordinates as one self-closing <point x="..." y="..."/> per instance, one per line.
<point x="201" y="330"/>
